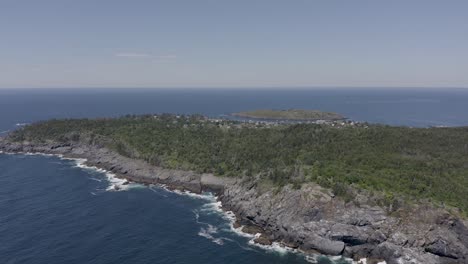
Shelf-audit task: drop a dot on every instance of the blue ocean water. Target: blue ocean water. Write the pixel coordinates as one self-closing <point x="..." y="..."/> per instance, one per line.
<point x="429" y="107"/>
<point x="53" y="211"/>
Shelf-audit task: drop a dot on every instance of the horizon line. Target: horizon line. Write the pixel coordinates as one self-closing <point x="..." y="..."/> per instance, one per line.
<point x="234" y="87"/>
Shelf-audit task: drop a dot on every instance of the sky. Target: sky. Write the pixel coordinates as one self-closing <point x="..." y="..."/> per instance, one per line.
<point x="237" y="43"/>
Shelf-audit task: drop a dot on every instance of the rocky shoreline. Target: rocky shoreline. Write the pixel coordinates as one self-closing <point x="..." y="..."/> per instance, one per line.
<point x="310" y="219"/>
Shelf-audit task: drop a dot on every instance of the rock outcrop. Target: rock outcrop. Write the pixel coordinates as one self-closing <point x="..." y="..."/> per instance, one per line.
<point x="310" y="219"/>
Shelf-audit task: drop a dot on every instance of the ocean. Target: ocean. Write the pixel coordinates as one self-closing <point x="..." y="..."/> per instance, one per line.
<point x="54" y="210"/>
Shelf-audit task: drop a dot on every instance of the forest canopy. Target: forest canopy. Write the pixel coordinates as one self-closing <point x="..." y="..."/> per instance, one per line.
<point x="429" y="163"/>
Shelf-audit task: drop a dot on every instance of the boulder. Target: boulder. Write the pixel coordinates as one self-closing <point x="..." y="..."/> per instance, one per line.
<point x="441" y="248"/>
<point x="323" y="245"/>
<point x="263" y="240"/>
<point x="252" y="229"/>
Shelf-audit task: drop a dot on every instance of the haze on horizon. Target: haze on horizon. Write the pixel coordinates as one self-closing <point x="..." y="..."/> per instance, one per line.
<point x="244" y="43"/>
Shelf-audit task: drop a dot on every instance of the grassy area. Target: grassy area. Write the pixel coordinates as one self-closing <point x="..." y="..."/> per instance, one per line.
<point x="290" y="114"/>
<point x="428" y="163"/>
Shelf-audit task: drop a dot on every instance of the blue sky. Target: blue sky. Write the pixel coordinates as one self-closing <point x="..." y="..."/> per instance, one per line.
<point x="237" y="43"/>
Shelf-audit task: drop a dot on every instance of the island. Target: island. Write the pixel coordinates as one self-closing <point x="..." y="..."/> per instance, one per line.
<point x="290" y="114"/>
<point x="371" y="191"/>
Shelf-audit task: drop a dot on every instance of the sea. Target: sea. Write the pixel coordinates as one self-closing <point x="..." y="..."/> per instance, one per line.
<point x="55" y="210"/>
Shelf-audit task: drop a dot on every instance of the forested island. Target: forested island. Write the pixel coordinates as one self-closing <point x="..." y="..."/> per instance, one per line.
<point x="415" y="162"/>
<point x="290" y="114"/>
<point x="338" y="176"/>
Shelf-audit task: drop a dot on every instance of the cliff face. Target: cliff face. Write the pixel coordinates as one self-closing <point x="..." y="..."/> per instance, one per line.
<point x="310" y="219"/>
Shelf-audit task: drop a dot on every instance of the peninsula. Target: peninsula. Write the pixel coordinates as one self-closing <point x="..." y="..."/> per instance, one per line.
<point x="397" y="194"/>
<point x="290" y="114"/>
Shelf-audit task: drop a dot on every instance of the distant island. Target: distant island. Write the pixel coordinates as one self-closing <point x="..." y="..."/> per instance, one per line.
<point x="290" y="114"/>
<point x="362" y="191"/>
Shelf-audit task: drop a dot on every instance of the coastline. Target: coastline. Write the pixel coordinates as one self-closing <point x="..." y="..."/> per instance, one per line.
<point x="290" y="115"/>
<point x="251" y="208"/>
<point x="228" y="215"/>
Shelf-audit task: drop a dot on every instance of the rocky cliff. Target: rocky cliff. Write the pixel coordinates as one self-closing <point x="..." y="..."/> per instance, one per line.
<point x="311" y="219"/>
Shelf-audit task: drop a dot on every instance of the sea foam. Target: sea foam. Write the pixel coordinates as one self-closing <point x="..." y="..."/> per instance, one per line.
<point x="115" y="183"/>
<point x="208" y="233"/>
<point x="213" y="206"/>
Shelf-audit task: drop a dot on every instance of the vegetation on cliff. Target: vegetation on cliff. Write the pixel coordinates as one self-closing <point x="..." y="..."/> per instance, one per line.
<point x="290" y="114"/>
<point x="429" y="163"/>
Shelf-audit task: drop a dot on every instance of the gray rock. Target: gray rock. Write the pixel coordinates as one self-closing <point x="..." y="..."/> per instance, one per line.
<point x="263" y="240"/>
<point x="310" y="218"/>
<point x="323" y="245"/>
<point x="441" y="248"/>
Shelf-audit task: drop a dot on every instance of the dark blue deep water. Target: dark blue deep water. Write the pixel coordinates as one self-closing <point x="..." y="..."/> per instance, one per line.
<point x="430" y="107"/>
<point x="53" y="211"/>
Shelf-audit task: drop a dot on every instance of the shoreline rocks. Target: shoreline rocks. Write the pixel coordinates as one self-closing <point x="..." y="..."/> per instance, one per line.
<point x="310" y="219"/>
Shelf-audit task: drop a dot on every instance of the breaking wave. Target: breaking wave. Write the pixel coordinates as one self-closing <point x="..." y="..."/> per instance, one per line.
<point x="208" y="233"/>
<point x="115" y="183"/>
<point x="216" y="233"/>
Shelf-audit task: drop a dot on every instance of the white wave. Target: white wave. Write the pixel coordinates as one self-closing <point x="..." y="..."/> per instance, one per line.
<point x="364" y="261"/>
<point x="11" y="153"/>
<point x="281" y="249"/>
<point x="118" y="184"/>
<point x="248" y="248"/>
<point x="208" y="196"/>
<point x="151" y="187"/>
<point x="81" y="163"/>
<point x="334" y="259"/>
<point x="212" y="229"/>
<point x="274" y="247"/>
<point x="361" y="261"/>
<point x="5" y="131"/>
<point x="22" y="124"/>
<point x="238" y="231"/>
<point x="94" y="179"/>
<point x="115" y="183"/>
<point x="311" y="259"/>
<point x="341" y="258"/>
<point x="215" y="207"/>
<point x="39" y="154"/>
<point x="20" y="154"/>
<point x="197" y="218"/>
<point x="197" y="215"/>
<point x="209" y="232"/>
<point x="315" y="258"/>
<point x="212" y="208"/>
